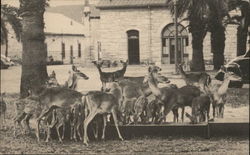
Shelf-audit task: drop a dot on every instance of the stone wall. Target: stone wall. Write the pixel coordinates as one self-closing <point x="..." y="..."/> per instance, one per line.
<point x="114" y="24"/>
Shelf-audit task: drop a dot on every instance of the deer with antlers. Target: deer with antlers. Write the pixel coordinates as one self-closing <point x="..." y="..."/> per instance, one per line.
<point x="107" y="77"/>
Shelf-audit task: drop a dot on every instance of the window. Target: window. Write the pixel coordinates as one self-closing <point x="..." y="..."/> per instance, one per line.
<point x="79" y="50"/>
<point x="63" y="50"/>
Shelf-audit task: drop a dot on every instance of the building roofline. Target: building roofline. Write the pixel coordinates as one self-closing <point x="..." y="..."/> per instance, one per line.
<point x="131" y="6"/>
<point x="63" y="34"/>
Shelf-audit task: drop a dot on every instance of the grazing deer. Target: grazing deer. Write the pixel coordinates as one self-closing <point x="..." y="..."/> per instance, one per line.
<point x="200" y="109"/>
<point x="218" y="92"/>
<point x="107" y="77"/>
<point x="99" y="102"/>
<point x="3" y="109"/>
<point x="202" y="79"/>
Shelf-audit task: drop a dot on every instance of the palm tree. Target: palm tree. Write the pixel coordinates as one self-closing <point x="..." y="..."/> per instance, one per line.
<point x="9" y="15"/>
<point x="34" y="71"/>
<point x="218" y="10"/>
<point x="244" y="23"/>
<point x="196" y="12"/>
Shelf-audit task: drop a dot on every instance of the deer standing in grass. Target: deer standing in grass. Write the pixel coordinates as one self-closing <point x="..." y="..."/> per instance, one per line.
<point x="99" y="102"/>
<point x="107" y="77"/>
<point x="202" y="79"/>
<point x="218" y="92"/>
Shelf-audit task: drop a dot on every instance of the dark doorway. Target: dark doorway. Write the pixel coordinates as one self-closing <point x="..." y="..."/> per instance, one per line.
<point x="172" y="51"/>
<point x="133" y="47"/>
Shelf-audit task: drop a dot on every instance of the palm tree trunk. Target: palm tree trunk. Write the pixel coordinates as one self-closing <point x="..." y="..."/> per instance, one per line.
<point x="241" y="40"/>
<point x="6" y="47"/>
<point x="34" y="70"/>
<point x="243" y="28"/>
<point x="198" y="31"/>
<point x="218" y="45"/>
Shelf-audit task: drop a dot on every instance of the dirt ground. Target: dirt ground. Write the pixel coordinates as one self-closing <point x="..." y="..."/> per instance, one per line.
<point x="237" y="110"/>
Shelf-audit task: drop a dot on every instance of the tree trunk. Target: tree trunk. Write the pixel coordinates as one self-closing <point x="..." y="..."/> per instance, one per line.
<point x="198" y="31"/>
<point x="241" y="40"/>
<point x="6" y="47"/>
<point x="218" y="45"/>
<point x="34" y="71"/>
<point x="243" y="28"/>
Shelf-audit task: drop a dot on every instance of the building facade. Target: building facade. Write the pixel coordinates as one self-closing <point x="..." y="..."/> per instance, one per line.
<point x="143" y="31"/>
<point x="64" y="37"/>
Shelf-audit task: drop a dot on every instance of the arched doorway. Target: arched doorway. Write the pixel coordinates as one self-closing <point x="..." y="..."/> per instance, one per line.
<point x="168" y="44"/>
<point x="133" y="47"/>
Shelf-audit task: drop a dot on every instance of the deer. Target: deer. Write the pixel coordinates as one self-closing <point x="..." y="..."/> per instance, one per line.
<point x="44" y="105"/>
<point x="132" y="90"/>
<point x="139" y="80"/>
<point x="107" y="77"/>
<point x="188" y="93"/>
<point x="218" y="93"/>
<point x="167" y="97"/>
<point x="202" y="79"/>
<point x="99" y="102"/>
<point x="115" y="90"/>
<point x="200" y="109"/>
<point x="3" y="109"/>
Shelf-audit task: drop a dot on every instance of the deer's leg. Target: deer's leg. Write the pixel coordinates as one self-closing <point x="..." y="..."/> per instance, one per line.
<point x="38" y="129"/>
<point x="26" y="122"/>
<point x="72" y="129"/>
<point x="104" y="126"/>
<point x="182" y="113"/>
<point x="208" y="111"/>
<point x="222" y="111"/>
<point x="96" y="128"/>
<point x="116" y="123"/>
<point x="58" y="132"/>
<point x="48" y="131"/>
<point x="78" y="131"/>
<point x="89" y="118"/>
<point x="17" y="120"/>
<point x="214" y="108"/>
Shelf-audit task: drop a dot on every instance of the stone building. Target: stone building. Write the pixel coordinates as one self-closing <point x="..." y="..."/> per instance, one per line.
<point x="143" y="30"/>
<point x="65" y="39"/>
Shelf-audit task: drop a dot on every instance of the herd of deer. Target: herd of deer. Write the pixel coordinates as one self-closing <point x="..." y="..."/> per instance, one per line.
<point x="125" y="98"/>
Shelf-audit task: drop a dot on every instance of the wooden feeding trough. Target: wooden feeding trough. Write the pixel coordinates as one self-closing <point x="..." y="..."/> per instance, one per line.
<point x="205" y="130"/>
